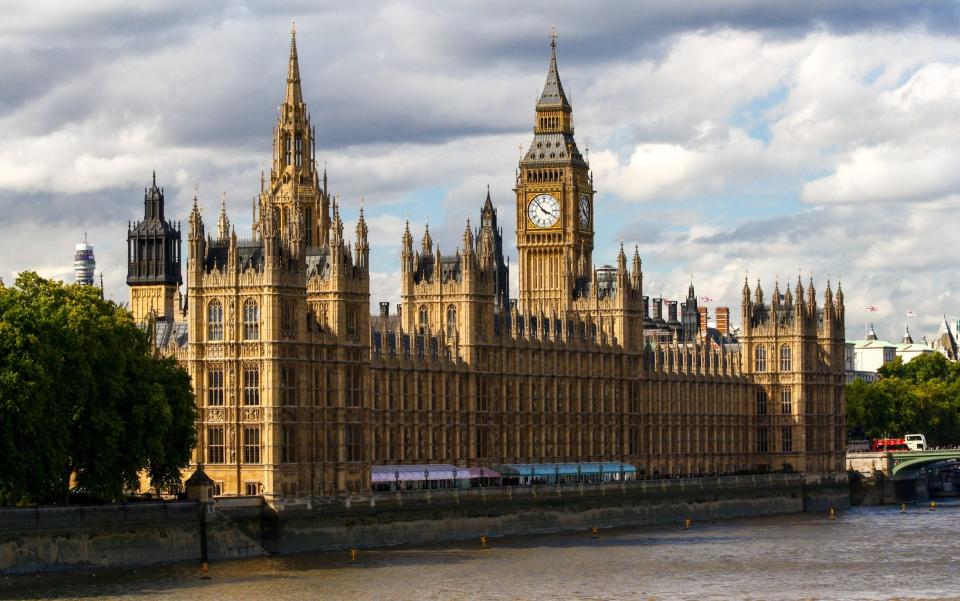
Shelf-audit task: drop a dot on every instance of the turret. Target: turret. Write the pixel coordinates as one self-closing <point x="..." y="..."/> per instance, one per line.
<point x="362" y="245"/>
<point x="223" y="223"/>
<point x="233" y="260"/>
<point x="636" y="273"/>
<point x="426" y="243"/>
<point x="406" y="250"/>
<point x="468" y="246"/>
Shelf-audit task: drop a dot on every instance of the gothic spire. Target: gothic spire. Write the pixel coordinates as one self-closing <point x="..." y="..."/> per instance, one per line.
<point x="553" y="94"/>
<point x="488" y="204"/>
<point x="426" y="242"/>
<point x="407" y="240"/>
<point x="294" y="96"/>
<point x="223" y="224"/>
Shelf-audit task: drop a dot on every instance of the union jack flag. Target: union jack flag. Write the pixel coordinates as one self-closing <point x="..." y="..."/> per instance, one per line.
<point x="911" y="314"/>
<point x="873" y="308"/>
<point x="706" y="299"/>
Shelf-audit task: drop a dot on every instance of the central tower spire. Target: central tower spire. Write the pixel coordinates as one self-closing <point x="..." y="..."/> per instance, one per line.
<point x="294" y="94"/>
<point x="294" y="187"/>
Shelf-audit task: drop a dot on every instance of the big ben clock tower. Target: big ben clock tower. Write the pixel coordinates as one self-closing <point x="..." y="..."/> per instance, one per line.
<point x="554" y="205"/>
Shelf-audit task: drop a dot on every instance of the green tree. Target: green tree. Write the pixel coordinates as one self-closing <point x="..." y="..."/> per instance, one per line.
<point x="82" y="397"/>
<point x="921" y="396"/>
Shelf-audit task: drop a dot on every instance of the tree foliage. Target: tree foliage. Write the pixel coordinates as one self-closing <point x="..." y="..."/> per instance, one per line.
<point x="922" y="396"/>
<point x="84" y="404"/>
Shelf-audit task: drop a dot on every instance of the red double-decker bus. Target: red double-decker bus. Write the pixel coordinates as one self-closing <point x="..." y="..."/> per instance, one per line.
<point x="889" y="444"/>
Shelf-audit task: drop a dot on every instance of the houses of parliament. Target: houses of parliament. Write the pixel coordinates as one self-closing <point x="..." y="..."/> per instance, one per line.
<point x="302" y="389"/>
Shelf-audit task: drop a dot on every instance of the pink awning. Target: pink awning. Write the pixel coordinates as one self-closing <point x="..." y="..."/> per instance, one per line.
<point x="483" y="472"/>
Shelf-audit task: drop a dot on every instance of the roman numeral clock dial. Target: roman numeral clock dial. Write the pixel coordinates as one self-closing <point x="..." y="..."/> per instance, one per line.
<point x="544" y="210"/>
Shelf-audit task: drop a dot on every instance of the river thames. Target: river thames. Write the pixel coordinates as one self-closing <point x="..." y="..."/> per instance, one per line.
<point x="867" y="553"/>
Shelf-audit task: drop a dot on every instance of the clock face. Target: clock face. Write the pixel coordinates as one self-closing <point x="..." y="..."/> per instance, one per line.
<point x="584" y="211"/>
<point x="544" y="210"/>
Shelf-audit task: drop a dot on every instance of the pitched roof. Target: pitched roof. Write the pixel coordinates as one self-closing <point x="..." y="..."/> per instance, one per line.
<point x="553" y="94"/>
<point x="945" y="342"/>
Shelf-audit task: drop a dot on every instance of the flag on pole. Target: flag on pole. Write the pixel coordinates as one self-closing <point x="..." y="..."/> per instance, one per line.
<point x="873" y="308"/>
<point x="911" y="314"/>
<point x="706" y="299"/>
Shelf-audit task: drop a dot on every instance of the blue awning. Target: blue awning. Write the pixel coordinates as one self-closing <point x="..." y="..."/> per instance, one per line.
<point x="566" y="469"/>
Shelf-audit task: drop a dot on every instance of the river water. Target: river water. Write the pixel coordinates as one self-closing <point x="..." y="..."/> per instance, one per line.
<point x="867" y="553"/>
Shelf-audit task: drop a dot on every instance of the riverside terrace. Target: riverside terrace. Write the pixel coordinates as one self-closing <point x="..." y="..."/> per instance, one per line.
<point x="438" y="476"/>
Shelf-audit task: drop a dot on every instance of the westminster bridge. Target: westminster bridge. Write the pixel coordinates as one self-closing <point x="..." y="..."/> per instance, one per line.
<point x="898" y="465"/>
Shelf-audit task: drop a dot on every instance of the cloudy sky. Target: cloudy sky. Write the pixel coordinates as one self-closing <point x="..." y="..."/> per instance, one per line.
<point x="727" y="137"/>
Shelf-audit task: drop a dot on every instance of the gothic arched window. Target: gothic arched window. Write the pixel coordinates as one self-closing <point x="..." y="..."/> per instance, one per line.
<point x="214" y="321"/>
<point x="761" y="358"/>
<point x="251" y="320"/>
<point x="423" y="319"/>
<point x="785" y="358"/>
<point x="451" y="321"/>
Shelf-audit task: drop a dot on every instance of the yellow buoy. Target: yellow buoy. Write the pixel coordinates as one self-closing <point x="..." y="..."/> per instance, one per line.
<point x="833" y="513"/>
<point x="483" y="541"/>
<point x="353" y="555"/>
<point x="686" y="523"/>
<point x="595" y="532"/>
<point x="204" y="571"/>
<point x="933" y="505"/>
<point x="903" y="508"/>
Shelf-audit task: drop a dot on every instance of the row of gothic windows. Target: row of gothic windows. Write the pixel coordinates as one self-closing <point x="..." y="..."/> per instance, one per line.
<point x="760" y="356"/>
<point x="786" y="401"/>
<point x="250" y="444"/>
<point x="423" y="320"/>
<point x="786" y="440"/>
<point x="251" y="321"/>
<point x="251" y="386"/>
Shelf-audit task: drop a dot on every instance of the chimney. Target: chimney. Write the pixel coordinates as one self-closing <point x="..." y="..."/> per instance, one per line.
<point x="384" y="309"/>
<point x="398" y="310"/>
<point x="672" y="311"/>
<point x="645" y="303"/>
<point x="723" y="320"/>
<point x="658" y="309"/>
<point x="703" y="320"/>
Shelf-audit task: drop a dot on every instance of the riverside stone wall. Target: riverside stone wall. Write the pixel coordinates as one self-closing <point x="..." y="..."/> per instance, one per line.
<point x="63" y="538"/>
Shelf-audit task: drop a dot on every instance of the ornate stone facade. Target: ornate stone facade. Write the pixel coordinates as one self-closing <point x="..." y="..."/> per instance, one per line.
<point x="300" y="390"/>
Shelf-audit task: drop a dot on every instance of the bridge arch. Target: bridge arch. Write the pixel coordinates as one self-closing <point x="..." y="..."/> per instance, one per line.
<point x="908" y="463"/>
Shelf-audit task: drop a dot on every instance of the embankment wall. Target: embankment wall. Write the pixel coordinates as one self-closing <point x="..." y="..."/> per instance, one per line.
<point x="63" y="538"/>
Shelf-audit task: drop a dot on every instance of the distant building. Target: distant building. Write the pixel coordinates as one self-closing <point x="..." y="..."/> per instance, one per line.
<point x="84" y="263"/>
<point x="946" y="343"/>
<point x="908" y="350"/>
<point x="865" y="357"/>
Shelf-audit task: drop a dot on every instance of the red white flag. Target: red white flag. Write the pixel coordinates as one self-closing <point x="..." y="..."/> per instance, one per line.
<point x="706" y="299"/>
<point x="911" y="314"/>
<point x="873" y="308"/>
